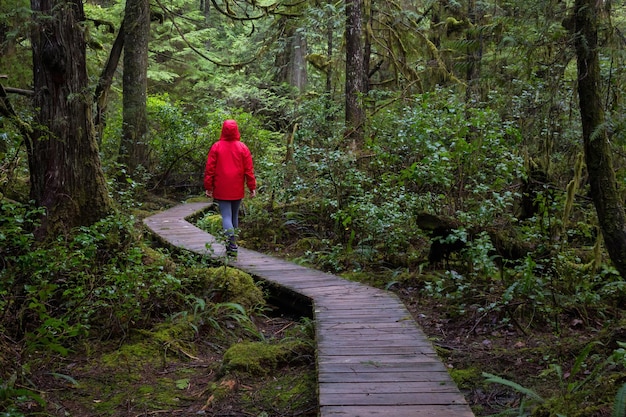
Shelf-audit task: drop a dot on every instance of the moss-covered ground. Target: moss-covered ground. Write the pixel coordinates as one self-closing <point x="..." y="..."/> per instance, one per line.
<point x="171" y="371"/>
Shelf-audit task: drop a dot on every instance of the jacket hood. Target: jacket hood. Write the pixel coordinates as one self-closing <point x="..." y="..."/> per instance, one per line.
<point x="230" y="130"/>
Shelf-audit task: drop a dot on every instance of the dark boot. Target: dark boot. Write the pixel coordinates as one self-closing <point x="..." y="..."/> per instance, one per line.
<point x="231" y="248"/>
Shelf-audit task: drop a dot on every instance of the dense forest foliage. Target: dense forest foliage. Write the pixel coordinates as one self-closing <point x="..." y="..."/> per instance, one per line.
<point x="468" y="155"/>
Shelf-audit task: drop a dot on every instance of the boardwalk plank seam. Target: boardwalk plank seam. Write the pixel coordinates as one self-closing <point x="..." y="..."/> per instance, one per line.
<point x="373" y="360"/>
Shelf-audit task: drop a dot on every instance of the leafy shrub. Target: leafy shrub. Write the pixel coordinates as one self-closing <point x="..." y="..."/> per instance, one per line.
<point x="95" y="278"/>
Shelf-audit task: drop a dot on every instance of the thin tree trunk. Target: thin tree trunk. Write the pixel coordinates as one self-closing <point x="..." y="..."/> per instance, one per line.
<point x="330" y="30"/>
<point x="106" y="79"/>
<point x="603" y="184"/>
<point x="65" y="171"/>
<point x="355" y="67"/>
<point x="133" y="146"/>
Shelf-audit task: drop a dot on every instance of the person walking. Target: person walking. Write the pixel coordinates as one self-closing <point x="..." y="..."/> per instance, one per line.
<point x="228" y="168"/>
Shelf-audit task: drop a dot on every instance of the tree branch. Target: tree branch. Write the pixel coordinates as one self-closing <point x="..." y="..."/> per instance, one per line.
<point x="18" y="91"/>
<point x="196" y="50"/>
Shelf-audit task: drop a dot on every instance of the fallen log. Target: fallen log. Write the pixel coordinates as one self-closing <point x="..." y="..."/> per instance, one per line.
<point x="439" y="228"/>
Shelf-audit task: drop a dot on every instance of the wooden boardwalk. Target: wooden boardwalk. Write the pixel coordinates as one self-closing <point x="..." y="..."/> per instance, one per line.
<point x="372" y="358"/>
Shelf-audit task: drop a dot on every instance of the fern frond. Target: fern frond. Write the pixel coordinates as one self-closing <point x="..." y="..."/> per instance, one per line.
<point x="517" y="387"/>
<point x="619" y="406"/>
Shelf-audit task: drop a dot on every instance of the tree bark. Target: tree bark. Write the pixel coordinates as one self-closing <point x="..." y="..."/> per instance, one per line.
<point x="330" y="31"/>
<point x="291" y="63"/>
<point x="134" y="146"/>
<point x="355" y="70"/>
<point x="65" y="171"/>
<point x="603" y="184"/>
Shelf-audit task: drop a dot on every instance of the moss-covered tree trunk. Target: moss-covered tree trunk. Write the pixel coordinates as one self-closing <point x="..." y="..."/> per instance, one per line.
<point x="65" y="171"/>
<point x="134" y="146"/>
<point x="602" y="180"/>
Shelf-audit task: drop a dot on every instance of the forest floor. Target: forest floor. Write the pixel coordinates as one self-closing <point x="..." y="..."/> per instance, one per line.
<point x="136" y="377"/>
<point x="478" y="343"/>
<point x="128" y="379"/>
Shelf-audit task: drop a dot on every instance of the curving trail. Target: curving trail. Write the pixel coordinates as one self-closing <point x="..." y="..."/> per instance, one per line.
<point x="373" y="360"/>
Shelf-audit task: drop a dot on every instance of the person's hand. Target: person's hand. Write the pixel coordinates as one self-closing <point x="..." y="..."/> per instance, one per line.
<point x="253" y="193"/>
<point x="209" y="194"/>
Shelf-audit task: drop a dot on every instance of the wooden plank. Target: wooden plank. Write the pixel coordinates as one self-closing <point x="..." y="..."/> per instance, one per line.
<point x="303" y="282"/>
<point x="377" y="362"/>
<point x="371" y="349"/>
<point x="393" y="399"/>
<point x="356" y="312"/>
<point x="398" y="340"/>
<point x="334" y="299"/>
<point x="376" y="367"/>
<point x="386" y="387"/>
<point x="374" y="329"/>
<point x="363" y="323"/>
<point x="391" y="305"/>
<point x="396" y="411"/>
<point x="434" y="377"/>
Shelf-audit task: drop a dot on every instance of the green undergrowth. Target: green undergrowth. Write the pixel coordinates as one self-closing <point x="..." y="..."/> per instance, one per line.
<point x="101" y="322"/>
<point x="527" y="320"/>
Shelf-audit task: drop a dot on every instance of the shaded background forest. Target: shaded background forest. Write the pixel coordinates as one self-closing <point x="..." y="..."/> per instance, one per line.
<point x="444" y="160"/>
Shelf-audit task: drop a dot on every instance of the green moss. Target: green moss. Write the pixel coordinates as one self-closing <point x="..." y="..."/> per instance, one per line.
<point x="211" y="223"/>
<point x="378" y="280"/>
<point x="466" y="378"/>
<point x="260" y="358"/>
<point x="224" y="284"/>
<point x="285" y="394"/>
<point x="308" y="243"/>
<point x="176" y="337"/>
<point x="197" y="199"/>
<point x="239" y="287"/>
<point x="571" y="405"/>
<point x="132" y="356"/>
<point x="131" y="375"/>
<point x="146" y="390"/>
<point x="158" y="260"/>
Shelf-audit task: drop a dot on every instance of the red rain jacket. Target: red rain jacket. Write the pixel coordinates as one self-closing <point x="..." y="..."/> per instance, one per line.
<point x="229" y="165"/>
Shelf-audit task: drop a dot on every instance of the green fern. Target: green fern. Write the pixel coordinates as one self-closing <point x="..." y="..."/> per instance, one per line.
<point x="619" y="407"/>
<point x="517" y="387"/>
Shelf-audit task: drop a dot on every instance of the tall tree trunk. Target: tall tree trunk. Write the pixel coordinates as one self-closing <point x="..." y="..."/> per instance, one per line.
<point x="330" y="31"/>
<point x="291" y="63"/>
<point x="355" y="70"/>
<point x="133" y="146"/>
<point x="602" y="180"/>
<point x="65" y="171"/>
<point x="367" y="44"/>
<point x="474" y="54"/>
<point x="297" y="68"/>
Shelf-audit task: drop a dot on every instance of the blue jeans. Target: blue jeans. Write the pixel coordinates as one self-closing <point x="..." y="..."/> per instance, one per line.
<point x="229" y="210"/>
